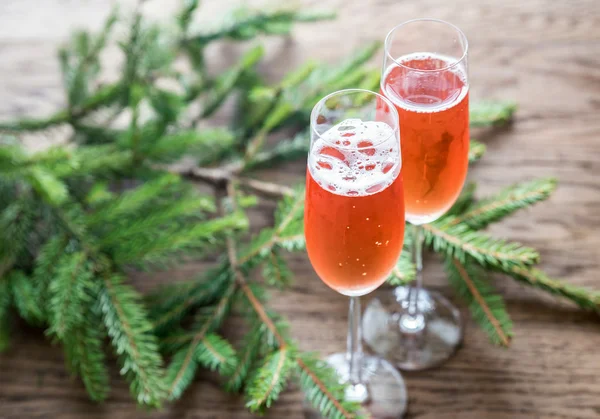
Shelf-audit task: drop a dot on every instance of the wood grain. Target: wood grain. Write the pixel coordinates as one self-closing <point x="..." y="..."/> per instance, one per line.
<point x="544" y="54"/>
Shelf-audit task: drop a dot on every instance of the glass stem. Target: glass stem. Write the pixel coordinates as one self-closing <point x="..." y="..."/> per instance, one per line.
<point x="413" y="321"/>
<point x="354" y="350"/>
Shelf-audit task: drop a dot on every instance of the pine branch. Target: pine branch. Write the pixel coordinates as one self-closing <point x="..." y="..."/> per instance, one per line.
<point x="5" y="302"/>
<point x="323" y="389"/>
<point x="201" y="292"/>
<point x="244" y="24"/>
<point x="459" y="241"/>
<point x="506" y="202"/>
<point x="487" y="307"/>
<point x="275" y="270"/>
<point x="270" y="379"/>
<point x="45" y="266"/>
<point x="464" y="201"/>
<point x="216" y="354"/>
<point x="69" y="295"/>
<point x="585" y="298"/>
<point x="283" y="151"/>
<point x="182" y="370"/>
<point x="250" y="348"/>
<point x="51" y="189"/>
<point x="185" y="16"/>
<point x="16" y="223"/>
<point x="103" y="97"/>
<point x="84" y="347"/>
<point x="26" y="298"/>
<point x="216" y="176"/>
<point x="227" y="81"/>
<point x="288" y="231"/>
<point x="137" y="350"/>
<point x="132" y="201"/>
<point x="404" y="272"/>
<point x="486" y="114"/>
<point x="209" y="146"/>
<point x="476" y="150"/>
<point x="159" y="247"/>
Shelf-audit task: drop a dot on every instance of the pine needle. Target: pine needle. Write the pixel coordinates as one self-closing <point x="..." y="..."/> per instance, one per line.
<point x="323" y="390"/>
<point x="506" y="202"/>
<point x="180" y="372"/>
<point x="137" y="349"/>
<point x="487" y="307"/>
<point x="5" y="302"/>
<point x="270" y="379"/>
<point x="476" y="150"/>
<point x="84" y="347"/>
<point x="459" y="241"/>
<point x="216" y="353"/>
<point x="250" y="347"/>
<point x="464" y="200"/>
<point x="203" y="291"/>
<point x="185" y="362"/>
<point x="404" y="272"/>
<point x="227" y="81"/>
<point x="275" y="270"/>
<point x="585" y="298"/>
<point x="484" y="114"/>
<point x="26" y="298"/>
<point x="244" y="24"/>
<point x="69" y="294"/>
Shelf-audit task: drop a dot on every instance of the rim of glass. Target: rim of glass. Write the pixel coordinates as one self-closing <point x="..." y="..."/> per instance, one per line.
<point x="461" y="34"/>
<point x="313" y="117"/>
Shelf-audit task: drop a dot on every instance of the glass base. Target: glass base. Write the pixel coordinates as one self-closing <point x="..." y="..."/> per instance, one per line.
<point x="413" y="343"/>
<point x="383" y="395"/>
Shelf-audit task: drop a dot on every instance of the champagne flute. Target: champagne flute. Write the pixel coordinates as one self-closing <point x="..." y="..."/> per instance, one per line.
<point x="425" y="76"/>
<point x="354" y="226"/>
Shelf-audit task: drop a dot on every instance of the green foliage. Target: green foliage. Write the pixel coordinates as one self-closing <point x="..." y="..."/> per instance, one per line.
<point x="179" y="300"/>
<point x="270" y="379"/>
<point x="486" y="305"/>
<point x="76" y="218"/>
<point x="136" y="347"/>
<point x="404" y="271"/>
<point x="276" y="271"/>
<point x="485" y="114"/>
<point x="464" y="200"/>
<point x="459" y="241"/>
<point x="84" y="347"/>
<point x="5" y="302"/>
<point x="249" y="352"/>
<point x="507" y="201"/>
<point x="216" y="354"/>
<point x="210" y="351"/>
<point x="26" y="298"/>
<point x="244" y="24"/>
<point x="323" y="390"/>
<point x="181" y="372"/>
<point x="476" y="150"/>
<point x="69" y="292"/>
<point x="585" y="298"/>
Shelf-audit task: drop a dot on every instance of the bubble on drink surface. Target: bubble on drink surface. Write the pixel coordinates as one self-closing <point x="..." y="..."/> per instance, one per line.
<point x="366" y="162"/>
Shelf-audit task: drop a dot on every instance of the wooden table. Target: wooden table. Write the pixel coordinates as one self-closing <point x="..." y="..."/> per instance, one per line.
<point x="544" y="54"/>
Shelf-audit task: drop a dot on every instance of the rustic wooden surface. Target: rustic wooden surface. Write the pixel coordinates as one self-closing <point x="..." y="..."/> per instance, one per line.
<point x="543" y="53"/>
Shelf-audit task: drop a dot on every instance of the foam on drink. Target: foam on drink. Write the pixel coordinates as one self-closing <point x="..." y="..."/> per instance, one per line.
<point x="410" y="91"/>
<point x="355" y="158"/>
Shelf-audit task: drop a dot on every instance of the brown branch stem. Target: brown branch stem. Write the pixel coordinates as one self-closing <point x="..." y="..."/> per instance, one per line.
<point x="230" y="173"/>
<point x="486" y="309"/>
<point x="324" y="389"/>
<point x="241" y="280"/>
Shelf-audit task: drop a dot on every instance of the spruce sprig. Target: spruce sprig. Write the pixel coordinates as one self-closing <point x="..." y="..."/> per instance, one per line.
<point x="486" y="305"/>
<point x="75" y="219"/>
